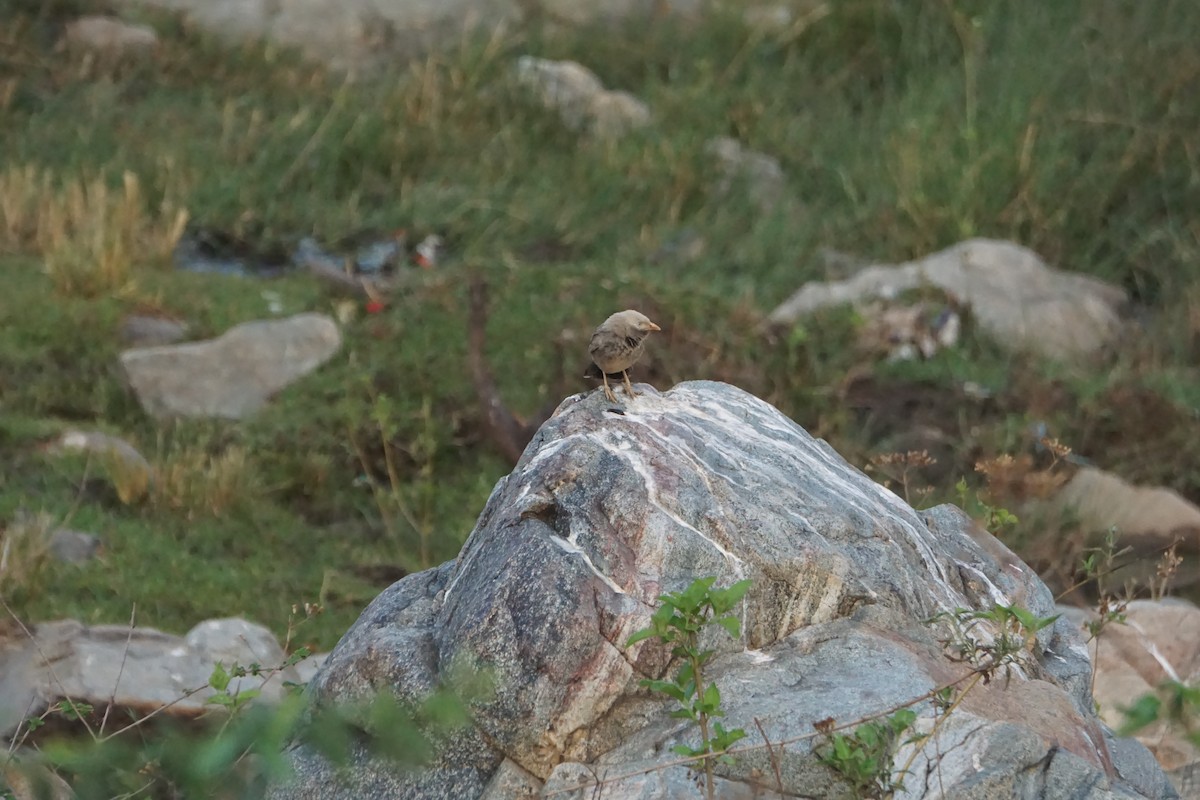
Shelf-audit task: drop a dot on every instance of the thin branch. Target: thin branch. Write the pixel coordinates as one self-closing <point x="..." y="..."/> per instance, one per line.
<point x="112" y="698"/>
<point x="140" y="720"/>
<point x="946" y="715"/>
<point x="774" y="758"/>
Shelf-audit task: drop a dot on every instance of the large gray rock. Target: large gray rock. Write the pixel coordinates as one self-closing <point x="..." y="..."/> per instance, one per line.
<point x="1014" y="296"/>
<point x="141" y="669"/>
<point x="604" y="512"/>
<point x="233" y="375"/>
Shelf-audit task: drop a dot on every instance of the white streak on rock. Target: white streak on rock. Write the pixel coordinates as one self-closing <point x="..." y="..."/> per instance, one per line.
<point x="620" y="446"/>
<point x="574" y="549"/>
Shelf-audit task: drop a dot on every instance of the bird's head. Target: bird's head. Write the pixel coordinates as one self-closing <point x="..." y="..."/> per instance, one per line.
<point x="634" y="323"/>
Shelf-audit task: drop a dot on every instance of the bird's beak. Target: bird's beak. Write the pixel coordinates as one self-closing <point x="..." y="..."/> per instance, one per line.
<point x="650" y="326"/>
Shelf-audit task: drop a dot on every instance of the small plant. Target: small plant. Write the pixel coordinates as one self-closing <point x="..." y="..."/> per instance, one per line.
<point x="897" y="466"/>
<point x="1015" y="634"/>
<point x="409" y="501"/>
<point x="1164" y="573"/>
<point x="865" y="757"/>
<point x="24" y="552"/>
<point x="679" y="621"/>
<point x="1099" y="563"/>
<point x="196" y="482"/>
<point x="994" y="518"/>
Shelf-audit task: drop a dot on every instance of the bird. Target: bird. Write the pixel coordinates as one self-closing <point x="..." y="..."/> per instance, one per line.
<point x="617" y="345"/>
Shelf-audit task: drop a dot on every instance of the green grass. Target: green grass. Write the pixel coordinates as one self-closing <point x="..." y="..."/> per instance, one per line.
<point x="902" y="128"/>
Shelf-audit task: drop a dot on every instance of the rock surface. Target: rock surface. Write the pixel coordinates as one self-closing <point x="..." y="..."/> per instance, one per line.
<point x="580" y="98"/>
<point x="760" y="173"/>
<point x="1160" y="641"/>
<point x="604" y="512"/>
<point x="128" y="470"/>
<point x="109" y="35"/>
<point x="140" y="330"/>
<point x="1148" y="519"/>
<point x="363" y="33"/>
<point x="140" y="670"/>
<point x="74" y="547"/>
<point x="1013" y="295"/>
<point x="233" y="375"/>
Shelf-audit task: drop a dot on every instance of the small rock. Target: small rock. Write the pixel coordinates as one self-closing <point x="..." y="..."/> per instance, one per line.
<point x="614" y="114"/>
<point x="581" y="99"/>
<point x="233" y="375"/>
<point x="762" y="173"/>
<point x="74" y="547"/>
<point x="564" y="86"/>
<point x="110" y="35"/>
<point x="129" y="471"/>
<point x="139" y="330"/>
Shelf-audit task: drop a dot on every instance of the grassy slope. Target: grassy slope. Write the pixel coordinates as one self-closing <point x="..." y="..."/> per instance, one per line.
<point x="1061" y="125"/>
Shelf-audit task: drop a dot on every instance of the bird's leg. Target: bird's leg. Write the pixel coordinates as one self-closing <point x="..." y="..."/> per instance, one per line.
<point x="628" y="385"/>
<point x="612" y="398"/>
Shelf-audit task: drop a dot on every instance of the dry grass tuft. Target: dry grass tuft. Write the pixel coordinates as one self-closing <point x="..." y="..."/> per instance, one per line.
<point x="24" y="552"/>
<point x="197" y="483"/>
<point x="88" y="234"/>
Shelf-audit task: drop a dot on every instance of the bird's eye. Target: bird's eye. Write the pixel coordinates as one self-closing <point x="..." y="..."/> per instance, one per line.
<point x="632" y="342"/>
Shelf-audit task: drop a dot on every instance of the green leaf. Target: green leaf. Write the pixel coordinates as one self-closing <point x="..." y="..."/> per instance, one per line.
<point x="72" y="709"/>
<point x="247" y="695"/>
<point x="296" y="657"/>
<point x="644" y="633"/>
<point x="219" y="679"/>
<point x="694" y="596"/>
<point x="666" y="687"/>
<point x="1143" y="712"/>
<point x="685" y="751"/>
<point x="732" y="625"/>
<point x="686" y="675"/>
<point x="724" y="739"/>
<point x="725" y="599"/>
